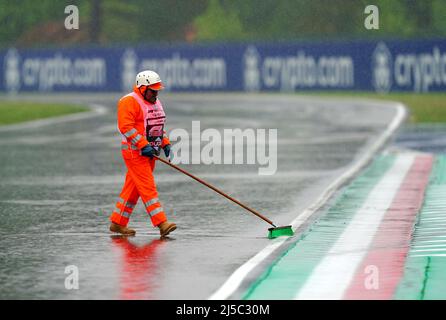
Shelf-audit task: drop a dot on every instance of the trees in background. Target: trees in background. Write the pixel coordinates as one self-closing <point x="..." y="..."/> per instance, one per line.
<point x="320" y="19"/>
<point x="18" y="17"/>
<point x="34" y="23"/>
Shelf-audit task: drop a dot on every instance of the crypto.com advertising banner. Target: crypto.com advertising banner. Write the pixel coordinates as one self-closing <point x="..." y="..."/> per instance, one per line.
<point x="382" y="66"/>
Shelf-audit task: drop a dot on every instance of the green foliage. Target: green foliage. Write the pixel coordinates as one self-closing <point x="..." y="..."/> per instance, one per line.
<point x="140" y="21"/>
<point x="143" y="21"/>
<point x="439" y="17"/>
<point x="219" y="23"/>
<point x="394" y="20"/>
<point x="323" y="19"/>
<point x="131" y="21"/>
<point x="18" y="16"/>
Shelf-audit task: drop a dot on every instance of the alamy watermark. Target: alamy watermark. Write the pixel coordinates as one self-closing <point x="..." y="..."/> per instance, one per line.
<point x="72" y="280"/>
<point x="371" y="22"/>
<point x="229" y="146"/>
<point x="371" y="281"/>
<point x="72" y="20"/>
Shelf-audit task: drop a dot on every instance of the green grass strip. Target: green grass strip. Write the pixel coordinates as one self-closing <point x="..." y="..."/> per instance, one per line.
<point x="423" y="107"/>
<point x="288" y="273"/>
<point x="16" y="112"/>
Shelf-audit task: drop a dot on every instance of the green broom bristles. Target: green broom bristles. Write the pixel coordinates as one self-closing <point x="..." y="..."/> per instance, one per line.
<point x="280" y="231"/>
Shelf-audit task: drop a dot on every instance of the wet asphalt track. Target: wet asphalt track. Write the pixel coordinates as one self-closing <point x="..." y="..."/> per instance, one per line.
<point x="60" y="182"/>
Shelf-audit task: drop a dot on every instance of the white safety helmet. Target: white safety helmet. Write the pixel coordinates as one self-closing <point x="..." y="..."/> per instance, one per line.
<point x="149" y="78"/>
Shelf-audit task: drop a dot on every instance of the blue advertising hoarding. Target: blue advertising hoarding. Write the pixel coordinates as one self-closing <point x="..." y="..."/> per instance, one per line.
<point x="382" y="66"/>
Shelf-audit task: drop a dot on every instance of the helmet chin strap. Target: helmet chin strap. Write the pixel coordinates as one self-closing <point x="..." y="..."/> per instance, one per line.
<point x="143" y="94"/>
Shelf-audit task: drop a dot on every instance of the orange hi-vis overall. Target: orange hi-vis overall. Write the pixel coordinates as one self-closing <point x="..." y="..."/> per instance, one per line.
<point x="140" y="123"/>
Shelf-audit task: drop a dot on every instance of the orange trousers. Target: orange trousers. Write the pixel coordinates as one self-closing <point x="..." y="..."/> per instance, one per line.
<point x="139" y="182"/>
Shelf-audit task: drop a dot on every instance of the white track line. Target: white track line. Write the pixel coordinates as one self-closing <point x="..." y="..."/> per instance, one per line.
<point x="431" y="246"/>
<point x="420" y="237"/>
<point x="430" y="241"/>
<point x="427" y="255"/>
<point x="431" y="219"/>
<point x="428" y="250"/>
<point x="236" y="278"/>
<point x="332" y="276"/>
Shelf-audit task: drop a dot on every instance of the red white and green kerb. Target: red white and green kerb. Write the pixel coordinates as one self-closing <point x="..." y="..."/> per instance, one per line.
<point x="383" y="238"/>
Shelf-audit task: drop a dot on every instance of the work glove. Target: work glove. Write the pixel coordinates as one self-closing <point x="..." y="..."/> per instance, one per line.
<point x="167" y="150"/>
<point x="148" y="151"/>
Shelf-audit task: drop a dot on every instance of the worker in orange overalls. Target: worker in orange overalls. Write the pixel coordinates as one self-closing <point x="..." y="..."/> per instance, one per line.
<point x="141" y="121"/>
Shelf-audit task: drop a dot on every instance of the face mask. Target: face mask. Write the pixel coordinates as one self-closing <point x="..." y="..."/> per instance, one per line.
<point x="150" y="95"/>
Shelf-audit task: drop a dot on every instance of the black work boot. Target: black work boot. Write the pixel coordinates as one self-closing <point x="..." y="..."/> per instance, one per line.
<point x="122" y="230"/>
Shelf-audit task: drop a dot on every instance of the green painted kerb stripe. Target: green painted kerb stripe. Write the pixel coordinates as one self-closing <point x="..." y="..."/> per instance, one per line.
<point x="424" y="273"/>
<point x="289" y="272"/>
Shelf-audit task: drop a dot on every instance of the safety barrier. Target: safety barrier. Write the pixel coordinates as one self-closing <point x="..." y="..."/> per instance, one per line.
<point x="382" y="66"/>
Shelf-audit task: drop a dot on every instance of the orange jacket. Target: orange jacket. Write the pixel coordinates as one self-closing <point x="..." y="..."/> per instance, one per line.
<point x="131" y="122"/>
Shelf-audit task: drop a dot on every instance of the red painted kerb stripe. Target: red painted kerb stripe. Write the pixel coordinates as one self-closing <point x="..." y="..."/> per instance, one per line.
<point x="382" y="268"/>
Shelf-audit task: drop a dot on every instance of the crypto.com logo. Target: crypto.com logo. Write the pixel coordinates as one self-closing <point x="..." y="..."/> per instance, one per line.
<point x="129" y="67"/>
<point x="11" y="71"/>
<point x="251" y="72"/>
<point x="382" y="69"/>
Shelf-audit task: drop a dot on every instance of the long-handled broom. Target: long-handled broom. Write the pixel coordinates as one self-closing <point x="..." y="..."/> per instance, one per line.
<point x="272" y="232"/>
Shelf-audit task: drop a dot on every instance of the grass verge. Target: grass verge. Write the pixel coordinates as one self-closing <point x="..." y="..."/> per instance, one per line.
<point x="423" y="107"/>
<point x="15" y="112"/>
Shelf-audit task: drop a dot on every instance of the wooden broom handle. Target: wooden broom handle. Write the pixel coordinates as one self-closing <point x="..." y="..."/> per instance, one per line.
<point x="216" y="190"/>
